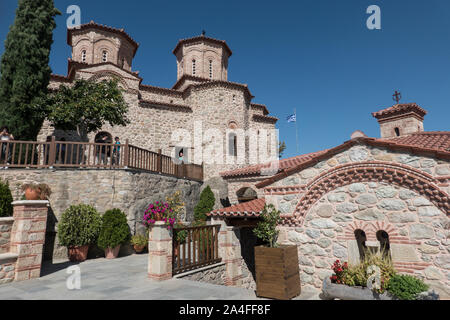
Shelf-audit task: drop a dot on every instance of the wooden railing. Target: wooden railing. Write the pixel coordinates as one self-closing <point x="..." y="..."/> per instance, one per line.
<point x="66" y="154"/>
<point x="198" y="247"/>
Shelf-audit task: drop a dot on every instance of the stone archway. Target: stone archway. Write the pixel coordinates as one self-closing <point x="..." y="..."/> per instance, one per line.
<point x="388" y="172"/>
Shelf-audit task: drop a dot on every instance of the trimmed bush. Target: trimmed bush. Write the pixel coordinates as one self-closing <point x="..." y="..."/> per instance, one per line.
<point x="115" y="230"/>
<point x="6" y="199"/>
<point x="205" y="205"/>
<point x="406" y="287"/>
<point x="80" y="225"/>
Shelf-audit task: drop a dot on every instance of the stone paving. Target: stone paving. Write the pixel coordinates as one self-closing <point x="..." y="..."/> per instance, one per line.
<point x="120" y="279"/>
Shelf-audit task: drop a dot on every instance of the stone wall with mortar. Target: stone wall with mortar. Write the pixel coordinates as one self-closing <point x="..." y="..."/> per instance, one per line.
<point x="7" y="269"/>
<point x="322" y="217"/>
<point x="128" y="190"/>
<point x="214" y="274"/>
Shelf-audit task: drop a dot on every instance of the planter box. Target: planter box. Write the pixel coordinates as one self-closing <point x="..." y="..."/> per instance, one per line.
<point x="340" y="291"/>
<point x="277" y="272"/>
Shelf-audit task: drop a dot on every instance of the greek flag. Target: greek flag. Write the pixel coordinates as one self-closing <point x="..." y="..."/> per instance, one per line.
<point x="292" y="118"/>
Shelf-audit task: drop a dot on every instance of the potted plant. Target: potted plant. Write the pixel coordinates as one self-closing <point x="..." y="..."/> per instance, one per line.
<point x="139" y="242"/>
<point x="113" y="233"/>
<point x="78" y="228"/>
<point x="35" y="191"/>
<point x="277" y="270"/>
<point x="159" y="211"/>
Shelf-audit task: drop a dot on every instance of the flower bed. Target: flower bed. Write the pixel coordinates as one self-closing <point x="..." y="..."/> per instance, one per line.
<point x="373" y="279"/>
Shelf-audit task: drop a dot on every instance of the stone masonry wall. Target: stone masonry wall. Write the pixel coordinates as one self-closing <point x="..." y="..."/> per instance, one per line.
<point x="212" y="274"/>
<point x="418" y="232"/>
<point x="323" y="224"/>
<point x="5" y="234"/>
<point x="128" y="190"/>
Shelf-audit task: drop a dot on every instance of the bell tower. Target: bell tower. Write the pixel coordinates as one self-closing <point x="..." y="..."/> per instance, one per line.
<point x="400" y="120"/>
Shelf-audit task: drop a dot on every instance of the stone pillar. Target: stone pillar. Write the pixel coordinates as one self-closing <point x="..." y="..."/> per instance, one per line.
<point x="28" y="237"/>
<point x="159" y="252"/>
<point x="230" y="252"/>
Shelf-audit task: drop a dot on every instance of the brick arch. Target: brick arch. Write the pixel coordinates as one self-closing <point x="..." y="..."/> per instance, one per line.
<point x="392" y="173"/>
<point x="371" y="229"/>
<point x="110" y="74"/>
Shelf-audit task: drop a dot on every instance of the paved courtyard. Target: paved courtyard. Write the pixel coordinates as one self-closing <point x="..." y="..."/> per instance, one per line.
<point x="123" y="278"/>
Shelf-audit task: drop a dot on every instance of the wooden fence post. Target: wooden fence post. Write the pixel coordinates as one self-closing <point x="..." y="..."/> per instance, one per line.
<point x="159" y="161"/>
<point x="126" y="158"/>
<point x="52" y="153"/>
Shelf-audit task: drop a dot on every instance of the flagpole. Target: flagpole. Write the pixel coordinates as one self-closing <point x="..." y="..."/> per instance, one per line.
<point x="296" y="129"/>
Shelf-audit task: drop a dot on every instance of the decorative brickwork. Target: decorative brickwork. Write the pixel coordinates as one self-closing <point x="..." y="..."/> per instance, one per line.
<point x="28" y="237"/>
<point x="159" y="252"/>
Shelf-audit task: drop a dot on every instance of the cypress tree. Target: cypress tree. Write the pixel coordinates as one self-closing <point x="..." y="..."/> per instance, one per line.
<point x="205" y="205"/>
<point x="24" y="69"/>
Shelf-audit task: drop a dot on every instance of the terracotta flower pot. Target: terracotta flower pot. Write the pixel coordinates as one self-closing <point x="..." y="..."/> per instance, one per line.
<point x="32" y="194"/>
<point x="138" y="249"/>
<point x="78" y="254"/>
<point x="112" y="253"/>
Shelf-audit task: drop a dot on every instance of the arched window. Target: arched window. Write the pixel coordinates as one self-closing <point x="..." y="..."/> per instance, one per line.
<point x="361" y="239"/>
<point x="210" y="69"/>
<point x="193" y="67"/>
<point x="83" y="56"/>
<point x="246" y="194"/>
<point x="383" y="238"/>
<point x="105" y="56"/>
<point x="397" y="132"/>
<point x="232" y="144"/>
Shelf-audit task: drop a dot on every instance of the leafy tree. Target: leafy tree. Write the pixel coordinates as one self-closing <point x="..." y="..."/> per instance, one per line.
<point x="281" y="148"/>
<point x="266" y="229"/>
<point x="205" y="205"/>
<point x="86" y="106"/>
<point x="6" y="199"/>
<point x="25" y="73"/>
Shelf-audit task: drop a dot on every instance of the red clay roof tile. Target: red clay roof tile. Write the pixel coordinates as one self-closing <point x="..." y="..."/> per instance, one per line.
<point x="247" y="209"/>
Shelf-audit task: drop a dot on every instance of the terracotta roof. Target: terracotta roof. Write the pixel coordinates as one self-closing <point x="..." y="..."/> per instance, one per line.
<point x="94" y="25"/>
<point x="188" y="77"/>
<point x="258" y="117"/>
<point x="283" y="164"/>
<point x="147" y="87"/>
<point x="436" y="140"/>
<point x="203" y="38"/>
<point x="72" y="65"/>
<point x="166" y="104"/>
<point x="247" y="209"/>
<point x="399" y="109"/>
<point x="424" y="144"/>
<point x="260" y="106"/>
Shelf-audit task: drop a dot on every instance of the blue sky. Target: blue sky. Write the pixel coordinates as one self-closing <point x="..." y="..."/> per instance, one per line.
<point x="313" y="55"/>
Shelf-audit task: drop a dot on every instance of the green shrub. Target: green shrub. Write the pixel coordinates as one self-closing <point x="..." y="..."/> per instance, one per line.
<point x="266" y="229"/>
<point x="205" y="205"/>
<point x="139" y="240"/>
<point x="406" y="287"/>
<point x="79" y="226"/>
<point x="115" y="230"/>
<point x="6" y="199"/>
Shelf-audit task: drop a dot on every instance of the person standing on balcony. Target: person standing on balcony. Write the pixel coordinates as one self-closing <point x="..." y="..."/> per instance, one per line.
<point x="116" y="151"/>
<point x="5" y="137"/>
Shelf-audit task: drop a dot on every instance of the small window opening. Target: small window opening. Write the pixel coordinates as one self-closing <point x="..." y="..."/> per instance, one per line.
<point x="397" y="132"/>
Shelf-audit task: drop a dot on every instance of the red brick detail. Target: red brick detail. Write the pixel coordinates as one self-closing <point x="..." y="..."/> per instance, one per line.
<point x="284" y="190"/>
<point x="373" y="171"/>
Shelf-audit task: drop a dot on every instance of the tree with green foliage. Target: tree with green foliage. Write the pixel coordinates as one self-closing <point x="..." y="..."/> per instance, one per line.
<point x="6" y="199"/>
<point x="205" y="205"/>
<point x="25" y="73"/>
<point x="86" y="106"/>
<point x="266" y="229"/>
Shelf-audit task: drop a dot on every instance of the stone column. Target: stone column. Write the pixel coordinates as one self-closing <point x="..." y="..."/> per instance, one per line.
<point x="28" y="237"/>
<point x="159" y="252"/>
<point x="230" y="252"/>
